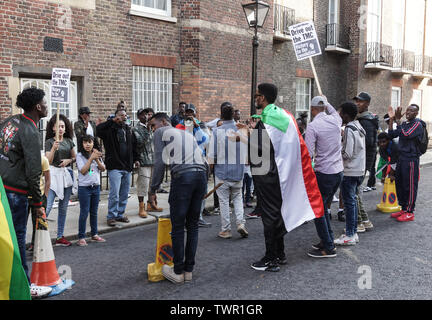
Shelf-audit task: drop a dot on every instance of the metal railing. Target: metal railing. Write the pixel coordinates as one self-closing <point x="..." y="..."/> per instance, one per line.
<point x="418" y="63"/>
<point x="397" y="58"/>
<point x="337" y="35"/>
<point x="379" y="53"/>
<point x="427" y="65"/>
<point x="283" y="18"/>
<point x="409" y="60"/>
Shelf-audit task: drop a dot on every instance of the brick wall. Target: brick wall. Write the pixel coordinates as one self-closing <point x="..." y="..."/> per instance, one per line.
<point x="99" y="44"/>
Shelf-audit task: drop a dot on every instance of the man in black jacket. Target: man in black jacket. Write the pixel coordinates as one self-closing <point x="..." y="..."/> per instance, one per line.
<point x="370" y="123"/>
<point x="21" y="166"/>
<point x="120" y="155"/>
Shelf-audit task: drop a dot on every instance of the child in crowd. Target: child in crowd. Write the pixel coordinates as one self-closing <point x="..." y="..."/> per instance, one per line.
<point x="89" y="164"/>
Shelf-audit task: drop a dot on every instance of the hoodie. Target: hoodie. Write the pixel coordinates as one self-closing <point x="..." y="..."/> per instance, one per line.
<point x="354" y="149"/>
<point x="370" y="123"/>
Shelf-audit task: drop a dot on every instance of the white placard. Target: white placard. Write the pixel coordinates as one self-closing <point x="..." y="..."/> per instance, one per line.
<point x="60" y="81"/>
<point x="305" y="40"/>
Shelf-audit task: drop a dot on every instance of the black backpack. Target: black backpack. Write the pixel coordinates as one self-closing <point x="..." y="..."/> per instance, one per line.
<point x="424" y="141"/>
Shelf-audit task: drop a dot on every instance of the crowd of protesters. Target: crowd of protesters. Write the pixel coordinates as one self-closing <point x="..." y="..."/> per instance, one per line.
<point x="343" y="145"/>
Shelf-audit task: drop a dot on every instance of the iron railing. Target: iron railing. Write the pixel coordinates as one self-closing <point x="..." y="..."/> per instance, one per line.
<point x="337" y="35"/>
<point x="409" y="60"/>
<point x="427" y="65"/>
<point x="397" y="58"/>
<point x="418" y="63"/>
<point x="379" y="53"/>
<point x="283" y="18"/>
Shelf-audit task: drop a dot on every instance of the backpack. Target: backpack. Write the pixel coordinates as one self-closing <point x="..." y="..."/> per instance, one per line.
<point x="424" y="141"/>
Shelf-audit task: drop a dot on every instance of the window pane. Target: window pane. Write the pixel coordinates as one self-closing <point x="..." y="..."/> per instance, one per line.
<point x="156" y="88"/>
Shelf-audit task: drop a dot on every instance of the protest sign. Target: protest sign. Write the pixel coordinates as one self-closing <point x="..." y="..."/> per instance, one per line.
<point x="306" y="44"/>
<point x="60" y="81"/>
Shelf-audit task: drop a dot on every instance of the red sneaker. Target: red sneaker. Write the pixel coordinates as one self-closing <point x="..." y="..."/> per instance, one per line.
<point x="62" y="242"/>
<point x="397" y="214"/>
<point x="406" y="217"/>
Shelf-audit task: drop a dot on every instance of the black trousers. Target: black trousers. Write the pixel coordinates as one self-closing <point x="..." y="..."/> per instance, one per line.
<point x="270" y="203"/>
<point x="407" y="177"/>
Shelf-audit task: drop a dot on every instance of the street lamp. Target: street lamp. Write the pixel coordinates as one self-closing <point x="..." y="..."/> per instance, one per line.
<point x="256" y="13"/>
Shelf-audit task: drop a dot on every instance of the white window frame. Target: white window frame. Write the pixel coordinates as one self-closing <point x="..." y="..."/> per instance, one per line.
<point x="303" y="96"/>
<point x="153" y="13"/>
<point x="374" y="21"/>
<point x="336" y="8"/>
<point x="45" y="85"/>
<point x="398" y="90"/>
<point x="151" y="88"/>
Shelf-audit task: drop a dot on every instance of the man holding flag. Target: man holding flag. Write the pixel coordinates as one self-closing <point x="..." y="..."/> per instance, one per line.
<point x="285" y="182"/>
<point x="20" y="171"/>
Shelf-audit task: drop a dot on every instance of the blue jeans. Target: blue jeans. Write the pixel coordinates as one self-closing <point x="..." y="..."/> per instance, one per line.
<point x="119" y="181"/>
<point x="328" y="185"/>
<point x="89" y="202"/>
<point x="62" y="207"/>
<point x="247" y="182"/>
<point x="18" y="205"/>
<point x="349" y="188"/>
<point x="185" y="199"/>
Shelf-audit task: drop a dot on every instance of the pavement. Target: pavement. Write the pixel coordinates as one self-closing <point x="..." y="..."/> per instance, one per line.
<point x="71" y="226"/>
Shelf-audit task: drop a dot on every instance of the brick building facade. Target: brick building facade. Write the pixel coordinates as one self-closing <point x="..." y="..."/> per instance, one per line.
<point x="201" y="52"/>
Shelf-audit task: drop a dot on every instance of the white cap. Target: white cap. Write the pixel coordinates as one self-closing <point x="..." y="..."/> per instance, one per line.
<point x="319" y="101"/>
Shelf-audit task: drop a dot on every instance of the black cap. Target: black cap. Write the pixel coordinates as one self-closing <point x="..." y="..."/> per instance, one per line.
<point x="140" y="110"/>
<point x="190" y="106"/>
<point x="84" y="110"/>
<point x="363" y="96"/>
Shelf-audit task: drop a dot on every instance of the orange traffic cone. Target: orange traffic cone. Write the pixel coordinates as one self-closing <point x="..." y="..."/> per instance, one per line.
<point x="44" y="270"/>
<point x="389" y="201"/>
<point x="164" y="254"/>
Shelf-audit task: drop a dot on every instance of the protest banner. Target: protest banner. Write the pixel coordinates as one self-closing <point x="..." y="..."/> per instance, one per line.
<point x="306" y="44"/>
<point x="60" y="81"/>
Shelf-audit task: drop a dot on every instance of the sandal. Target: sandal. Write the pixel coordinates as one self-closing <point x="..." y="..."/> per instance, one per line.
<point x="97" y="238"/>
<point x="82" y="243"/>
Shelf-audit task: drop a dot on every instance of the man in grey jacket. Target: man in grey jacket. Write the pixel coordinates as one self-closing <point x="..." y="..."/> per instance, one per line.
<point x="188" y="183"/>
<point x="353" y="154"/>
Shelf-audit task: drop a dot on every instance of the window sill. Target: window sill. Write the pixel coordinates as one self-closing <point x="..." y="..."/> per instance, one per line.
<point x="152" y="16"/>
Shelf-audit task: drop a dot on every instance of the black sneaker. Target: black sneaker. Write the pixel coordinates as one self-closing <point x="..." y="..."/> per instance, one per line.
<point x="341" y="216"/>
<point x="265" y="265"/>
<point x="318" y="246"/>
<point x="322" y="253"/>
<point x="281" y="261"/>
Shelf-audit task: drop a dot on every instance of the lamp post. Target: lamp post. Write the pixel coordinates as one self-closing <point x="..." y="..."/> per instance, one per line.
<point x="256" y="13"/>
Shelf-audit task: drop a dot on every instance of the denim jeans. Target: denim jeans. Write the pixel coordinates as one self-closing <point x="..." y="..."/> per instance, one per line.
<point x="89" y="203"/>
<point x="328" y="185"/>
<point x="233" y="189"/>
<point x="247" y="183"/>
<point x="62" y="207"/>
<point x="18" y="205"/>
<point x="185" y="199"/>
<point x="119" y="181"/>
<point x="361" y="212"/>
<point x="349" y="187"/>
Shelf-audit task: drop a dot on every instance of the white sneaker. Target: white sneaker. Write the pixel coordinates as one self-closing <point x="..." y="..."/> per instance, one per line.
<point x="367" y="189"/>
<point x="344" y="240"/>
<point x="356" y="238"/>
<point x="38" y="292"/>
